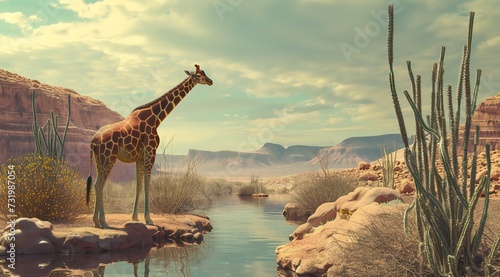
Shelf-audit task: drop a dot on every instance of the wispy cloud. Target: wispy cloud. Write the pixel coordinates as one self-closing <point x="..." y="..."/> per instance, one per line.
<point x="269" y="60"/>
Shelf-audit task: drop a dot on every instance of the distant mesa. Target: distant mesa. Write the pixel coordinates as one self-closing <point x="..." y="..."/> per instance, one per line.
<point x="274" y="159"/>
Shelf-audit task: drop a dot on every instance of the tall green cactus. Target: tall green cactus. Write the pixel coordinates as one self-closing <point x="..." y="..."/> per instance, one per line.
<point x="444" y="202"/>
<point x="50" y="143"/>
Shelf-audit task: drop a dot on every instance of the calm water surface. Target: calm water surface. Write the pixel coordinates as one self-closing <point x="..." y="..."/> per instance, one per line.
<point x="242" y="243"/>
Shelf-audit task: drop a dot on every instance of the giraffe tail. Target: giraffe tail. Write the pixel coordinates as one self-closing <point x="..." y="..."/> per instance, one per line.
<point x="89" y="180"/>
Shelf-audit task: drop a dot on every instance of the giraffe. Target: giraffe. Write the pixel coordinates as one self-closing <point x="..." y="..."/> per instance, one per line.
<point x="135" y="139"/>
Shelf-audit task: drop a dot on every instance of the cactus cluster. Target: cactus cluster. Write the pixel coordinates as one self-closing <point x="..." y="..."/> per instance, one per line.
<point x="48" y="141"/>
<point x="445" y="200"/>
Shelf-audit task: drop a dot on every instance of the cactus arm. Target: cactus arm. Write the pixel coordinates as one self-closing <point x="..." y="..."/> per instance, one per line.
<point x="66" y="128"/>
<point x="486" y="180"/>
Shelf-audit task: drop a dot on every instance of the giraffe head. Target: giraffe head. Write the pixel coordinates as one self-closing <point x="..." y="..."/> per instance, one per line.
<point x="199" y="76"/>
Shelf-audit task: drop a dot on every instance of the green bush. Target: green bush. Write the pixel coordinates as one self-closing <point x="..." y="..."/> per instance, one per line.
<point x="44" y="188"/>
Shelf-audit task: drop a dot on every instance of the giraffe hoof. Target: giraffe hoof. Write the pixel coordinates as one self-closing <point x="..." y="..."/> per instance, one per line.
<point x="149" y="222"/>
<point x="104" y="225"/>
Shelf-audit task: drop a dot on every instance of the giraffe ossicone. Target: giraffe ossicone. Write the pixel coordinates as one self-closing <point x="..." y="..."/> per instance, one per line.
<point x="135" y="139"/>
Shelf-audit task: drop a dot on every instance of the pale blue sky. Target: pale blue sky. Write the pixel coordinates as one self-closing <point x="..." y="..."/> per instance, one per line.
<point x="310" y="72"/>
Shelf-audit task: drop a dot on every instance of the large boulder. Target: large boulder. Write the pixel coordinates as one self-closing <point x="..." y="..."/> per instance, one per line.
<point x="295" y="213"/>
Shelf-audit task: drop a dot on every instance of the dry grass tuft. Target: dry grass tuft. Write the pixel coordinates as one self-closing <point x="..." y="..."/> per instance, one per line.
<point x="322" y="187"/>
<point x="383" y="249"/>
<point x="179" y="193"/>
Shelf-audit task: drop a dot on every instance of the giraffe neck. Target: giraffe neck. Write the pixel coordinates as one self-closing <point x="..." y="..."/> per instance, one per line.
<point x="163" y="105"/>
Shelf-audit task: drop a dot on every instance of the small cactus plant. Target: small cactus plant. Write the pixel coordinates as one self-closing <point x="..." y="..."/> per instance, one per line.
<point x="48" y="142"/>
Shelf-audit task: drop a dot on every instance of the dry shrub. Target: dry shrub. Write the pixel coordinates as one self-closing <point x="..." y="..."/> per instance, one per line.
<point x="119" y="197"/>
<point x="179" y="193"/>
<point x="246" y="189"/>
<point x="219" y="187"/>
<point x="254" y="186"/>
<point x="383" y="249"/>
<point x="45" y="188"/>
<point x="490" y="237"/>
<point x="321" y="187"/>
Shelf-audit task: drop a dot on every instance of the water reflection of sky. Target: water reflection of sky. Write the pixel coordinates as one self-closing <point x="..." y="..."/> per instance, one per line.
<point x="242" y="243"/>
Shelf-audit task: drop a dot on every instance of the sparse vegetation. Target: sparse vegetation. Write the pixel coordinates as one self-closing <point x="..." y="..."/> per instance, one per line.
<point x="245" y="190"/>
<point x="381" y="248"/>
<point x="257" y="183"/>
<point x="119" y="197"/>
<point x="48" y="141"/>
<point x="254" y="186"/>
<point x="179" y="193"/>
<point x="219" y="187"/>
<point x="46" y="188"/>
<point x="445" y="203"/>
<point x="322" y="186"/>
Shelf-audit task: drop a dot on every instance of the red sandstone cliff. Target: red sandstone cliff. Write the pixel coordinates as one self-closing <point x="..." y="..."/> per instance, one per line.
<point x="16" y="121"/>
<point x="487" y="117"/>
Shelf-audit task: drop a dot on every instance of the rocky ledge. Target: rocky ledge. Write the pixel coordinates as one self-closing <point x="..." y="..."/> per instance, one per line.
<point x="34" y="236"/>
<point x="316" y="245"/>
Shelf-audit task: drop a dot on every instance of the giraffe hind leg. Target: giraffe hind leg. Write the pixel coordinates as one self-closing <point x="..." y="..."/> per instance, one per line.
<point x="99" y="216"/>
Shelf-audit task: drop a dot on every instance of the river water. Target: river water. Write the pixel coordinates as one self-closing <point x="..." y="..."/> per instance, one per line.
<point x="242" y="243"/>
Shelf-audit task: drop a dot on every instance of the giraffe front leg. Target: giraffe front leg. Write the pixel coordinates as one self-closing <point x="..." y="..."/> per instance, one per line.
<point x="147" y="215"/>
<point x="139" y="165"/>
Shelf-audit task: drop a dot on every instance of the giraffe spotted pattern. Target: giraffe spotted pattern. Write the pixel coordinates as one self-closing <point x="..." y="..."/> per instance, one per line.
<point x="135" y="139"/>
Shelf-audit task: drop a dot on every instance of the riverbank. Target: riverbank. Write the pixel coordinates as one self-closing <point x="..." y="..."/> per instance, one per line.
<point x="34" y="236"/>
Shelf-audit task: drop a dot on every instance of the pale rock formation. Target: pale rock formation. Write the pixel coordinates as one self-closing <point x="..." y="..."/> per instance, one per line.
<point x="363" y="165"/>
<point x="34" y="236"/>
<point x="406" y="186"/>
<point x="295" y="213"/>
<point x="317" y="245"/>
